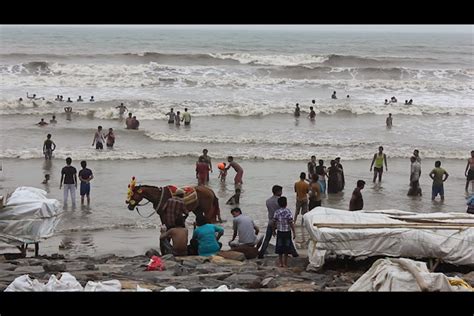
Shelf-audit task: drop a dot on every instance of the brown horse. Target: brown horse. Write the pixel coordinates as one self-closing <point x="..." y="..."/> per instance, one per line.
<point x="206" y="203"/>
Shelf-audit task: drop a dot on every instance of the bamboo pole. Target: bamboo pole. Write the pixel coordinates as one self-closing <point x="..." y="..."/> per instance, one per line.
<point x="393" y="225"/>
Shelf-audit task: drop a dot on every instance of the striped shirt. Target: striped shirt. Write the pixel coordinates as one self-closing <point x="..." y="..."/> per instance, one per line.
<point x="173" y="208"/>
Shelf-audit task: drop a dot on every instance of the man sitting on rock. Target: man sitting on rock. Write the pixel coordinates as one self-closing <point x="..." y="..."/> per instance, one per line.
<point x="246" y="229"/>
<point x="178" y="235"/>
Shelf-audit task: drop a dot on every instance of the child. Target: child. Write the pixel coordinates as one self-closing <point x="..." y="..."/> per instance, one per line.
<point x="282" y="223"/>
<point x="46" y="179"/>
<point x="223" y="172"/>
<point x="235" y="199"/>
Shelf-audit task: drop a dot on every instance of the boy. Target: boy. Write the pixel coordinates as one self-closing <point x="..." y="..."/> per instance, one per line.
<point x="437" y="175"/>
<point x="85" y="175"/>
<point x="282" y="223"/>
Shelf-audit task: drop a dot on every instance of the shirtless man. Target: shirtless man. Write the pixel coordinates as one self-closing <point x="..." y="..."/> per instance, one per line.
<point x="128" y="121"/>
<point x="469" y="172"/>
<point x="68" y="110"/>
<point x="98" y="139"/>
<point x="48" y="147"/>
<point x="297" y="110"/>
<point x="178" y="235"/>
<point x="237" y="168"/>
<point x="122" y="108"/>
<point x="42" y="123"/>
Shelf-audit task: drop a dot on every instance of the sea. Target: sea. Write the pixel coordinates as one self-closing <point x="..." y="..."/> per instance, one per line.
<point x="240" y="87"/>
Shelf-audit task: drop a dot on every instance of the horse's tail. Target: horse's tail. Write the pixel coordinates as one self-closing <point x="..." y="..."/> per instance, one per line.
<point x="215" y="207"/>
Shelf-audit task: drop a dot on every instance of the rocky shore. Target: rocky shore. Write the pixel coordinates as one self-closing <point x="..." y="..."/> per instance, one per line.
<point x="194" y="273"/>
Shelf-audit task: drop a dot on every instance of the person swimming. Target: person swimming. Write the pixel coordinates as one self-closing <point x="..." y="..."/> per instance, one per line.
<point x="333" y="96"/>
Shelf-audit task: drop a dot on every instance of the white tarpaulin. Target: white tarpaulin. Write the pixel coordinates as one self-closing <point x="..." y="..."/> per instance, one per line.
<point x="387" y="275"/>
<point x="28" y="216"/>
<point x="391" y="233"/>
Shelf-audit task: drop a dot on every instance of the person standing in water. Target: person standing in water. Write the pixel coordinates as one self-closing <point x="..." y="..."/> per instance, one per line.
<point x="357" y="202"/>
<point x="171" y="117"/>
<point x="122" y="108"/>
<point x="48" y="147"/>
<point x="389" y="120"/>
<point x="438" y="181"/>
<point x="379" y="159"/>
<point x="110" y="136"/>
<point x="98" y="139"/>
<point x="469" y="172"/>
<point x="237" y="168"/>
<point x="85" y="175"/>
<point x="297" y="110"/>
<point x="69" y="176"/>
<point x="186" y="117"/>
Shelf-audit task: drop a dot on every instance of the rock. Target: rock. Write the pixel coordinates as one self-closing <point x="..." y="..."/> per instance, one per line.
<point x="170" y="265"/>
<point x="90" y="266"/>
<point x="29" y="270"/>
<point x="152" y="252"/>
<point x="206" y="268"/>
<point x="56" y="256"/>
<point x="105" y="258"/>
<point x="222" y="261"/>
<point x="7" y="267"/>
<point x="243" y="279"/>
<point x="54" y="267"/>
<point x="232" y="255"/>
<point x="168" y="257"/>
<point x="269" y="283"/>
<point x="248" y="251"/>
<point x="297" y="287"/>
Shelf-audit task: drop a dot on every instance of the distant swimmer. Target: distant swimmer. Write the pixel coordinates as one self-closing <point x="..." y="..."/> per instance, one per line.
<point x="91" y="99"/>
<point x="389" y="120"/>
<point x="334" y="95"/>
<point x="171" y="115"/>
<point x="406" y="102"/>
<point x="58" y="98"/>
<point x="53" y="120"/>
<point x="410" y="102"/>
<point x="33" y="97"/>
<point x="98" y="139"/>
<point x="122" y="108"/>
<point x="129" y="120"/>
<point x="69" y="100"/>
<point x="110" y="136"/>
<point x="48" y="147"/>
<point x="178" y="119"/>
<point x="379" y="158"/>
<point x="347" y="97"/>
<point x="393" y="100"/>
<point x="61" y="98"/>
<point x="79" y="99"/>
<point x="68" y="111"/>
<point x="387" y="102"/>
<point x="186" y="117"/>
<point x="312" y="114"/>
<point x="297" y="110"/>
<point x="42" y="123"/>
<point x="20" y="99"/>
<point x="135" y="123"/>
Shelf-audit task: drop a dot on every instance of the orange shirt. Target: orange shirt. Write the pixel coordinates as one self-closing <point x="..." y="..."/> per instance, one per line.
<point x="301" y="189"/>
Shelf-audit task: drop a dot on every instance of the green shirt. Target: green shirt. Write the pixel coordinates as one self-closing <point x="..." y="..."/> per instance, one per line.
<point x="438" y="175"/>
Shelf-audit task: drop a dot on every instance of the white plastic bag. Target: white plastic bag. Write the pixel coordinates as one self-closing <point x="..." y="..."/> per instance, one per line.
<point x="66" y="283"/>
<point x="25" y="284"/>
<point x="105" y="286"/>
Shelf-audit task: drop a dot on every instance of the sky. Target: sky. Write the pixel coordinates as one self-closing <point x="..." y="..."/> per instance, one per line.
<point x="417" y="28"/>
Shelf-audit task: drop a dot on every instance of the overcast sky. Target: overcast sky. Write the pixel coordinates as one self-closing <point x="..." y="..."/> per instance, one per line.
<point x="300" y="27"/>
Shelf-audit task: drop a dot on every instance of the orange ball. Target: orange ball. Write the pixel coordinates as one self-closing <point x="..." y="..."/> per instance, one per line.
<point x="221" y="166"/>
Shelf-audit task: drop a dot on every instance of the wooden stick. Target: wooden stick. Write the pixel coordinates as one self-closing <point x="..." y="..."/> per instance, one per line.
<point x="394" y="225"/>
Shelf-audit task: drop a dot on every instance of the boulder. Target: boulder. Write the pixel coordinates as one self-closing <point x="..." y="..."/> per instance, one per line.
<point x="232" y="255"/>
<point x="248" y="251"/>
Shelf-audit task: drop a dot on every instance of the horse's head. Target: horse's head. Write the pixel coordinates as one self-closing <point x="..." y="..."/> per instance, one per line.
<point x="135" y="195"/>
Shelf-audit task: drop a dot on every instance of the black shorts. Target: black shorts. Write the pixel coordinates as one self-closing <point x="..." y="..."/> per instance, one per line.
<point x="283" y="243"/>
<point x="379" y="170"/>
<point x="470" y="175"/>
<point x="99" y="146"/>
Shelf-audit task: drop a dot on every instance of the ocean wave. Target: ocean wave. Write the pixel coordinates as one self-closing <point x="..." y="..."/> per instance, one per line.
<point x="156" y="110"/>
<point x="262" y="152"/>
<point x="231" y="58"/>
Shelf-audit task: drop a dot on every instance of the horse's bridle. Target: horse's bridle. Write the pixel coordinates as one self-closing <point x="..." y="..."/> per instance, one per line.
<point x="156" y="210"/>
